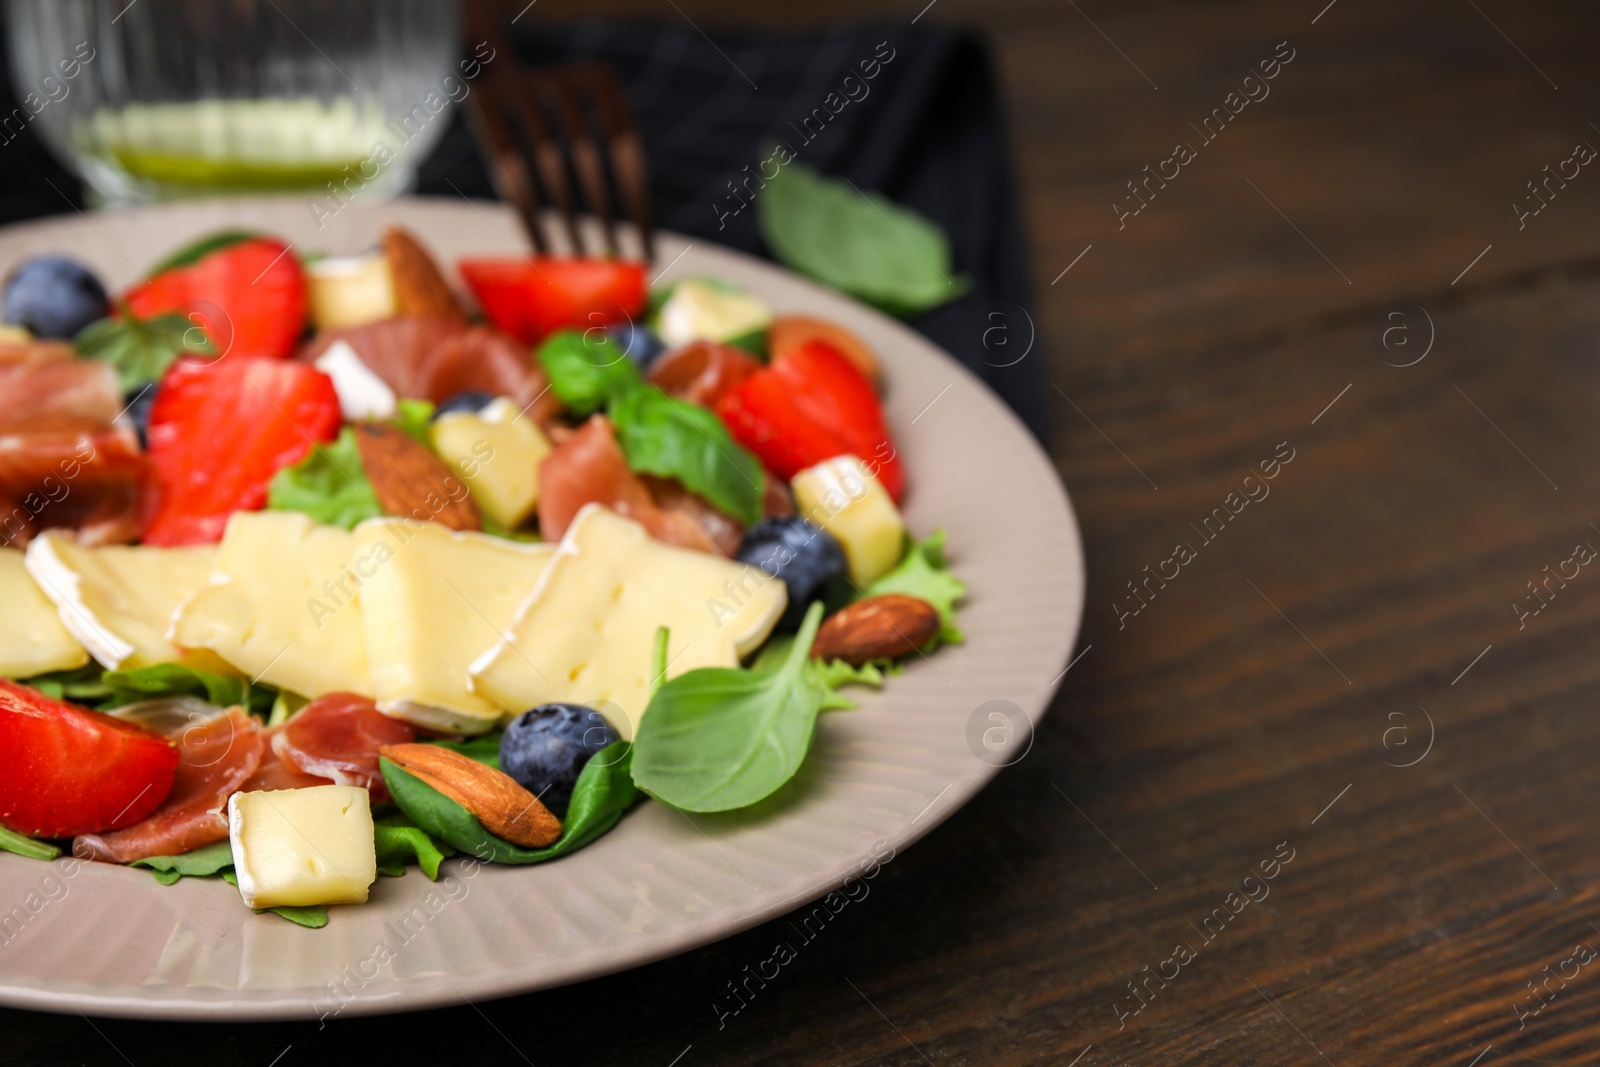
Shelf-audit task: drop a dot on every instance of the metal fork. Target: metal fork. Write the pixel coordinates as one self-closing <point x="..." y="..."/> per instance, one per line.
<point x="513" y="106"/>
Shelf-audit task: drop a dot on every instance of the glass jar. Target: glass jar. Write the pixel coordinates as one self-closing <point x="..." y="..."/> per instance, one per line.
<point x="158" y="99"/>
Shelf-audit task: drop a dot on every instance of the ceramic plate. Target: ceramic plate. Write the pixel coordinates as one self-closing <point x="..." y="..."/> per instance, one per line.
<point x="110" y="940"/>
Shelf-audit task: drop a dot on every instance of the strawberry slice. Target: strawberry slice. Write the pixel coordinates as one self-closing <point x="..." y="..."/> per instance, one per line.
<point x="532" y="298"/>
<point x="248" y="295"/>
<point x="218" y="433"/>
<point x="72" y="771"/>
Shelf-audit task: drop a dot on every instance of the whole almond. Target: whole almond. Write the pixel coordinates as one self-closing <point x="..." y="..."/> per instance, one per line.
<point x="875" y="628"/>
<point x="409" y="480"/>
<point x="420" y="287"/>
<point x="503" y="807"/>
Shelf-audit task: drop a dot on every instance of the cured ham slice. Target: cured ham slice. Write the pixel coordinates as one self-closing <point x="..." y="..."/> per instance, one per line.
<point x="216" y="758"/>
<point x="13" y="352"/>
<point x="589" y="468"/>
<point x="436" y="358"/>
<point x="722" y="531"/>
<point x="78" y="388"/>
<point x="65" y="471"/>
<point x="273" y="773"/>
<point x="337" y="737"/>
<point x="702" y="371"/>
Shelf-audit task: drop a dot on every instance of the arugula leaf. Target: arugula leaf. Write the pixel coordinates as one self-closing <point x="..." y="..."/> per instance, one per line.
<point x="399" y="841"/>
<point x="718" y="738"/>
<point x="586" y="369"/>
<point x="141" y="350"/>
<point x="22" y="845"/>
<point x="604" y="791"/>
<point x="861" y="243"/>
<point x="174" y="679"/>
<point x="676" y="439"/>
<point x="196" y="250"/>
<point x="329" y="484"/>
<point x="201" y="863"/>
<point x="923" y="572"/>
<point x="485" y="748"/>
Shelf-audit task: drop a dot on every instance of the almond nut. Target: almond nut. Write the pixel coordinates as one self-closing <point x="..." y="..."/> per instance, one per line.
<point x="876" y="628"/>
<point x="494" y="798"/>
<point x="410" y="480"/>
<point x="420" y="287"/>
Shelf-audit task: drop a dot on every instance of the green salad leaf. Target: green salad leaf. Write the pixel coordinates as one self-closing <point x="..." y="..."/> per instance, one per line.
<point x="329" y="484"/>
<point x="925" y="573"/>
<point x="834" y="674"/>
<point x="586" y="369"/>
<point x="400" y="842"/>
<point x="84" y="685"/>
<point x="413" y="417"/>
<point x="676" y="439"/>
<point x="604" y="791"/>
<point x="141" y="350"/>
<point x="861" y="243"/>
<point x="174" y="679"/>
<point x="314" y="916"/>
<point x="23" y="845"/>
<point x="719" y="738"/>
<point x="203" y="862"/>
<point x="485" y="748"/>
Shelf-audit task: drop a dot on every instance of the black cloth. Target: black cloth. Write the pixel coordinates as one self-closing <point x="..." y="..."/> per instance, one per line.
<point x="926" y="130"/>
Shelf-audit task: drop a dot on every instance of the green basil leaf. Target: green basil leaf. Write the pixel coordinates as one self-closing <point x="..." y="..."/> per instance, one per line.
<point x="199" y="249"/>
<point x="141" y="350"/>
<point x="924" y="573"/>
<point x="586" y="369"/>
<point x="835" y="674"/>
<point x="312" y="916"/>
<point x="720" y="738"/>
<point x="676" y="439"/>
<point x="400" y="842"/>
<point x="201" y="863"/>
<point x="22" y="845"/>
<point x="174" y="679"/>
<point x="329" y="484"/>
<point x="861" y="243"/>
<point x="604" y="791"/>
<point x="83" y="685"/>
<point x="485" y="748"/>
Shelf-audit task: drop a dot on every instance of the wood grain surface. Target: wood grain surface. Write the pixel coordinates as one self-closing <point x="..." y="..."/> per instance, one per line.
<point x="1336" y="684"/>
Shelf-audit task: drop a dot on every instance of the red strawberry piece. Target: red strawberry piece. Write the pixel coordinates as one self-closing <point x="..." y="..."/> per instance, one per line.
<point x="249" y="296"/>
<point x="531" y="298"/>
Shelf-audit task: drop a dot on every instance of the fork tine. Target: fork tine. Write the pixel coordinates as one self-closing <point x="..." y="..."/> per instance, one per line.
<point x="529" y="102"/>
<point x="626" y="153"/>
<point x="507" y="167"/>
<point x="565" y="86"/>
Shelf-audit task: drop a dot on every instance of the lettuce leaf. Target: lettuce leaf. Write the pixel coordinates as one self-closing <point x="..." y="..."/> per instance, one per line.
<point x="925" y="573"/>
<point x="329" y="484"/>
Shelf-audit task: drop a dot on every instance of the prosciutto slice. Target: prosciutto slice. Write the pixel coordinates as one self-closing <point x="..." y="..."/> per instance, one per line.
<point x="215" y="759"/>
<point x="702" y="371"/>
<point x="337" y="737"/>
<point x="59" y="470"/>
<point x="436" y="358"/>
<point x="78" y="388"/>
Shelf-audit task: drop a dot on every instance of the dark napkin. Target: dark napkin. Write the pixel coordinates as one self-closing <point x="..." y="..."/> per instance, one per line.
<point x="927" y="132"/>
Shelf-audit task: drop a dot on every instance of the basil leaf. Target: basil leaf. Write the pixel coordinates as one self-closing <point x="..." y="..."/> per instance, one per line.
<point x="586" y="369"/>
<point x="860" y="243"/>
<point x="199" y="249"/>
<point x="22" y="845"/>
<point x="174" y="679"/>
<point x="141" y="350"/>
<point x="83" y="685"/>
<point x="200" y="863"/>
<point x="485" y="748"/>
<point x="398" y="842"/>
<point x="604" y="791"/>
<point x="329" y="484"/>
<point x="924" y="573"/>
<point x="834" y="674"/>
<point x="720" y="738"/>
<point x="676" y="439"/>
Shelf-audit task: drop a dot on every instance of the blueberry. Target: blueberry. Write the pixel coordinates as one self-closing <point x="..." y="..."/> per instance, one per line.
<point x="806" y="557"/>
<point x="545" y="750"/>
<point x="641" y="346"/>
<point x="54" y="297"/>
<point x="139" y="401"/>
<point x="469" y="400"/>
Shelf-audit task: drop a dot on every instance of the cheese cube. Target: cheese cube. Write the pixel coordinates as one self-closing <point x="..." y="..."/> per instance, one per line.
<point x="119" y="599"/>
<point x="298" y="847"/>
<point x="497" y="452"/>
<point x="701" y="309"/>
<point x="586" y="634"/>
<point x="32" y="637"/>
<point x="847" y="500"/>
<point x="283" y="605"/>
<point x="350" y="290"/>
<point x="435" y="600"/>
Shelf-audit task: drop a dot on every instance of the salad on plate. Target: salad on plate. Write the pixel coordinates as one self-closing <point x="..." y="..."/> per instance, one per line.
<point x="316" y="569"/>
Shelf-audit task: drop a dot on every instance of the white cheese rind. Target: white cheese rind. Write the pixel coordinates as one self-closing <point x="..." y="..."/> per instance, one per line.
<point x="362" y="394"/>
<point x="283" y="605"/>
<point x="432" y="600"/>
<point x="119" y="600"/>
<point x="33" y="639"/>
<point x="586" y="634"/>
<point x="299" y="847"/>
<point x="844" y="498"/>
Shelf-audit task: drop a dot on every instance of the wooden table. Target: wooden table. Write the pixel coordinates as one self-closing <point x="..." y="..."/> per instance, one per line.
<point x="1341" y="683"/>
